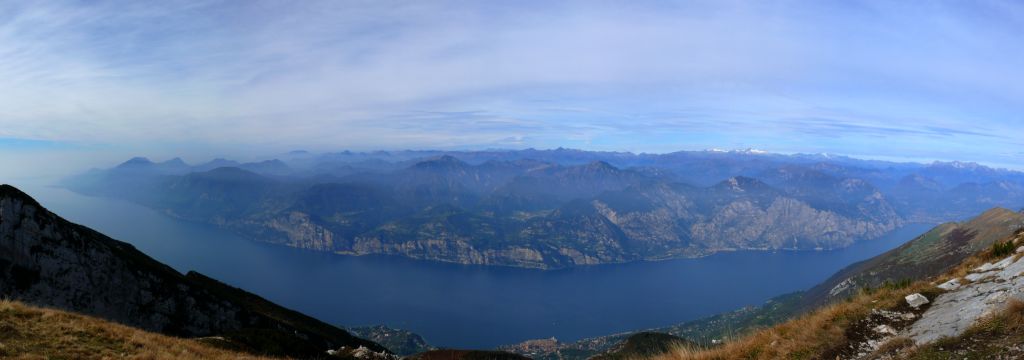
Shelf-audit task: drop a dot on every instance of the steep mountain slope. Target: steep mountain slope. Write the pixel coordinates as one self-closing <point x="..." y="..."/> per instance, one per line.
<point x="48" y="261"/>
<point x="930" y="254"/>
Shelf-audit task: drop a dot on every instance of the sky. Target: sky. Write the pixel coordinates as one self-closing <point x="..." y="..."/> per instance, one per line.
<point x="94" y="81"/>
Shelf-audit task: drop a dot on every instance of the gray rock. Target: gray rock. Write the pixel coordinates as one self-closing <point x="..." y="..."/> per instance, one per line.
<point x="978" y="277"/>
<point x="955" y="311"/>
<point x="915" y="300"/>
<point x="1012" y="271"/>
<point x="950" y="285"/>
<point x="1002" y="264"/>
<point x="983" y="268"/>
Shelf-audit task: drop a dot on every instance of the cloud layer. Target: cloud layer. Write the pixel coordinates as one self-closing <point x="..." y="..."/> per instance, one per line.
<point x="925" y="80"/>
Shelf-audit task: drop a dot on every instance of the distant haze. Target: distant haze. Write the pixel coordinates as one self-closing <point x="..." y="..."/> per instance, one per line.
<point x="88" y="84"/>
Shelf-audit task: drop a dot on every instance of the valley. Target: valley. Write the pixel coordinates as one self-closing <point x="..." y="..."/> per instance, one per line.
<point x="448" y="304"/>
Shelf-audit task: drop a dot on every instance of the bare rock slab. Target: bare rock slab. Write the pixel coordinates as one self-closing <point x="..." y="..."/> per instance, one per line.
<point x="950" y="285"/>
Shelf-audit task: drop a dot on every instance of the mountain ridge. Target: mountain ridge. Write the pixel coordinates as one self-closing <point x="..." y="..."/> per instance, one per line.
<point x="48" y="261"/>
<point x="551" y="209"/>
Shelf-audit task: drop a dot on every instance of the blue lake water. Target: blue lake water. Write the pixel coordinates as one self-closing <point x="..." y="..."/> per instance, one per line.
<point x="466" y="306"/>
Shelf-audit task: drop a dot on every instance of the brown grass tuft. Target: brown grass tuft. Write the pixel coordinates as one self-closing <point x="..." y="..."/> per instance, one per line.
<point x="1014" y="315"/>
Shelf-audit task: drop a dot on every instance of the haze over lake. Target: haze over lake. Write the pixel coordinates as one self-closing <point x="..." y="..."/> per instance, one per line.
<point x="466" y="306"/>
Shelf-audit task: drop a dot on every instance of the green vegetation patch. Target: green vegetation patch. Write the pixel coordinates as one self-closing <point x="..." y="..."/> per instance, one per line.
<point x="1002" y="248"/>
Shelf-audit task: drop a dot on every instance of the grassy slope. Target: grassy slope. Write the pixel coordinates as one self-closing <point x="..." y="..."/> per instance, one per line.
<point x="729" y="325"/>
<point x="30" y="332"/>
<point x="930" y="254"/>
<point x="824" y="333"/>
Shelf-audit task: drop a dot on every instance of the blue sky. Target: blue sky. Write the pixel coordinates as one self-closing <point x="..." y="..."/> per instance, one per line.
<point x="918" y="80"/>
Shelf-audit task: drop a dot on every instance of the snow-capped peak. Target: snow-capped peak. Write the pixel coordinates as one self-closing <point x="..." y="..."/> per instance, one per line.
<point x="748" y="151"/>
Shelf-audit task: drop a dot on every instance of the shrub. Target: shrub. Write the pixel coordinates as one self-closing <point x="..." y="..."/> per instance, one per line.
<point x="1002" y="248"/>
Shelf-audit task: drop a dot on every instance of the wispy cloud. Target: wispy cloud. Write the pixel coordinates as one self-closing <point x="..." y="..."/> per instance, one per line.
<point x="939" y="77"/>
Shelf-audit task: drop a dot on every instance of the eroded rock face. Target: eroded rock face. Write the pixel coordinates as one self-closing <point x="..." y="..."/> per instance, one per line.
<point x="596" y="234"/>
<point x="45" y="260"/>
<point x="955" y="311"/>
<point x="523" y="214"/>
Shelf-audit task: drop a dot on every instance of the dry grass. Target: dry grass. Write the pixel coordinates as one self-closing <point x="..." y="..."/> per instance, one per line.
<point x="1010" y="320"/>
<point x="28" y="332"/>
<point x="814" y="334"/>
<point x="892" y="347"/>
<point x="808" y="336"/>
<point x="1015" y="314"/>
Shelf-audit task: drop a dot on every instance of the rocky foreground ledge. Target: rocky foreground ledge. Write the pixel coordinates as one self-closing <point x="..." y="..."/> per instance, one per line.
<point x="984" y="291"/>
<point x="960" y="304"/>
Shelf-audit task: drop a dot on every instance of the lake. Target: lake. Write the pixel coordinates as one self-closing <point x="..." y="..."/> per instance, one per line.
<point x="466" y="306"/>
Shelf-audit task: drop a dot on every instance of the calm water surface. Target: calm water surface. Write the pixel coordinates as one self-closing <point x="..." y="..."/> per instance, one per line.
<point x="466" y="306"/>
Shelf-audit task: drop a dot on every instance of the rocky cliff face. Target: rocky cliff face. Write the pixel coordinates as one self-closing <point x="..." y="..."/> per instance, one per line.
<point x="504" y="210"/>
<point x="53" y="263"/>
<point x="646" y="223"/>
<point x="46" y="260"/>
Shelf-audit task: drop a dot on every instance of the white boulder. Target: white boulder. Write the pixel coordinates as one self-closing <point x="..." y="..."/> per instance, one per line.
<point x="885" y="330"/>
<point x="915" y="300"/>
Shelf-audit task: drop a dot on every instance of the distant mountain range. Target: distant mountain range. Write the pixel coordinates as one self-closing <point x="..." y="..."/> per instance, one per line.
<point x="558" y="208"/>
